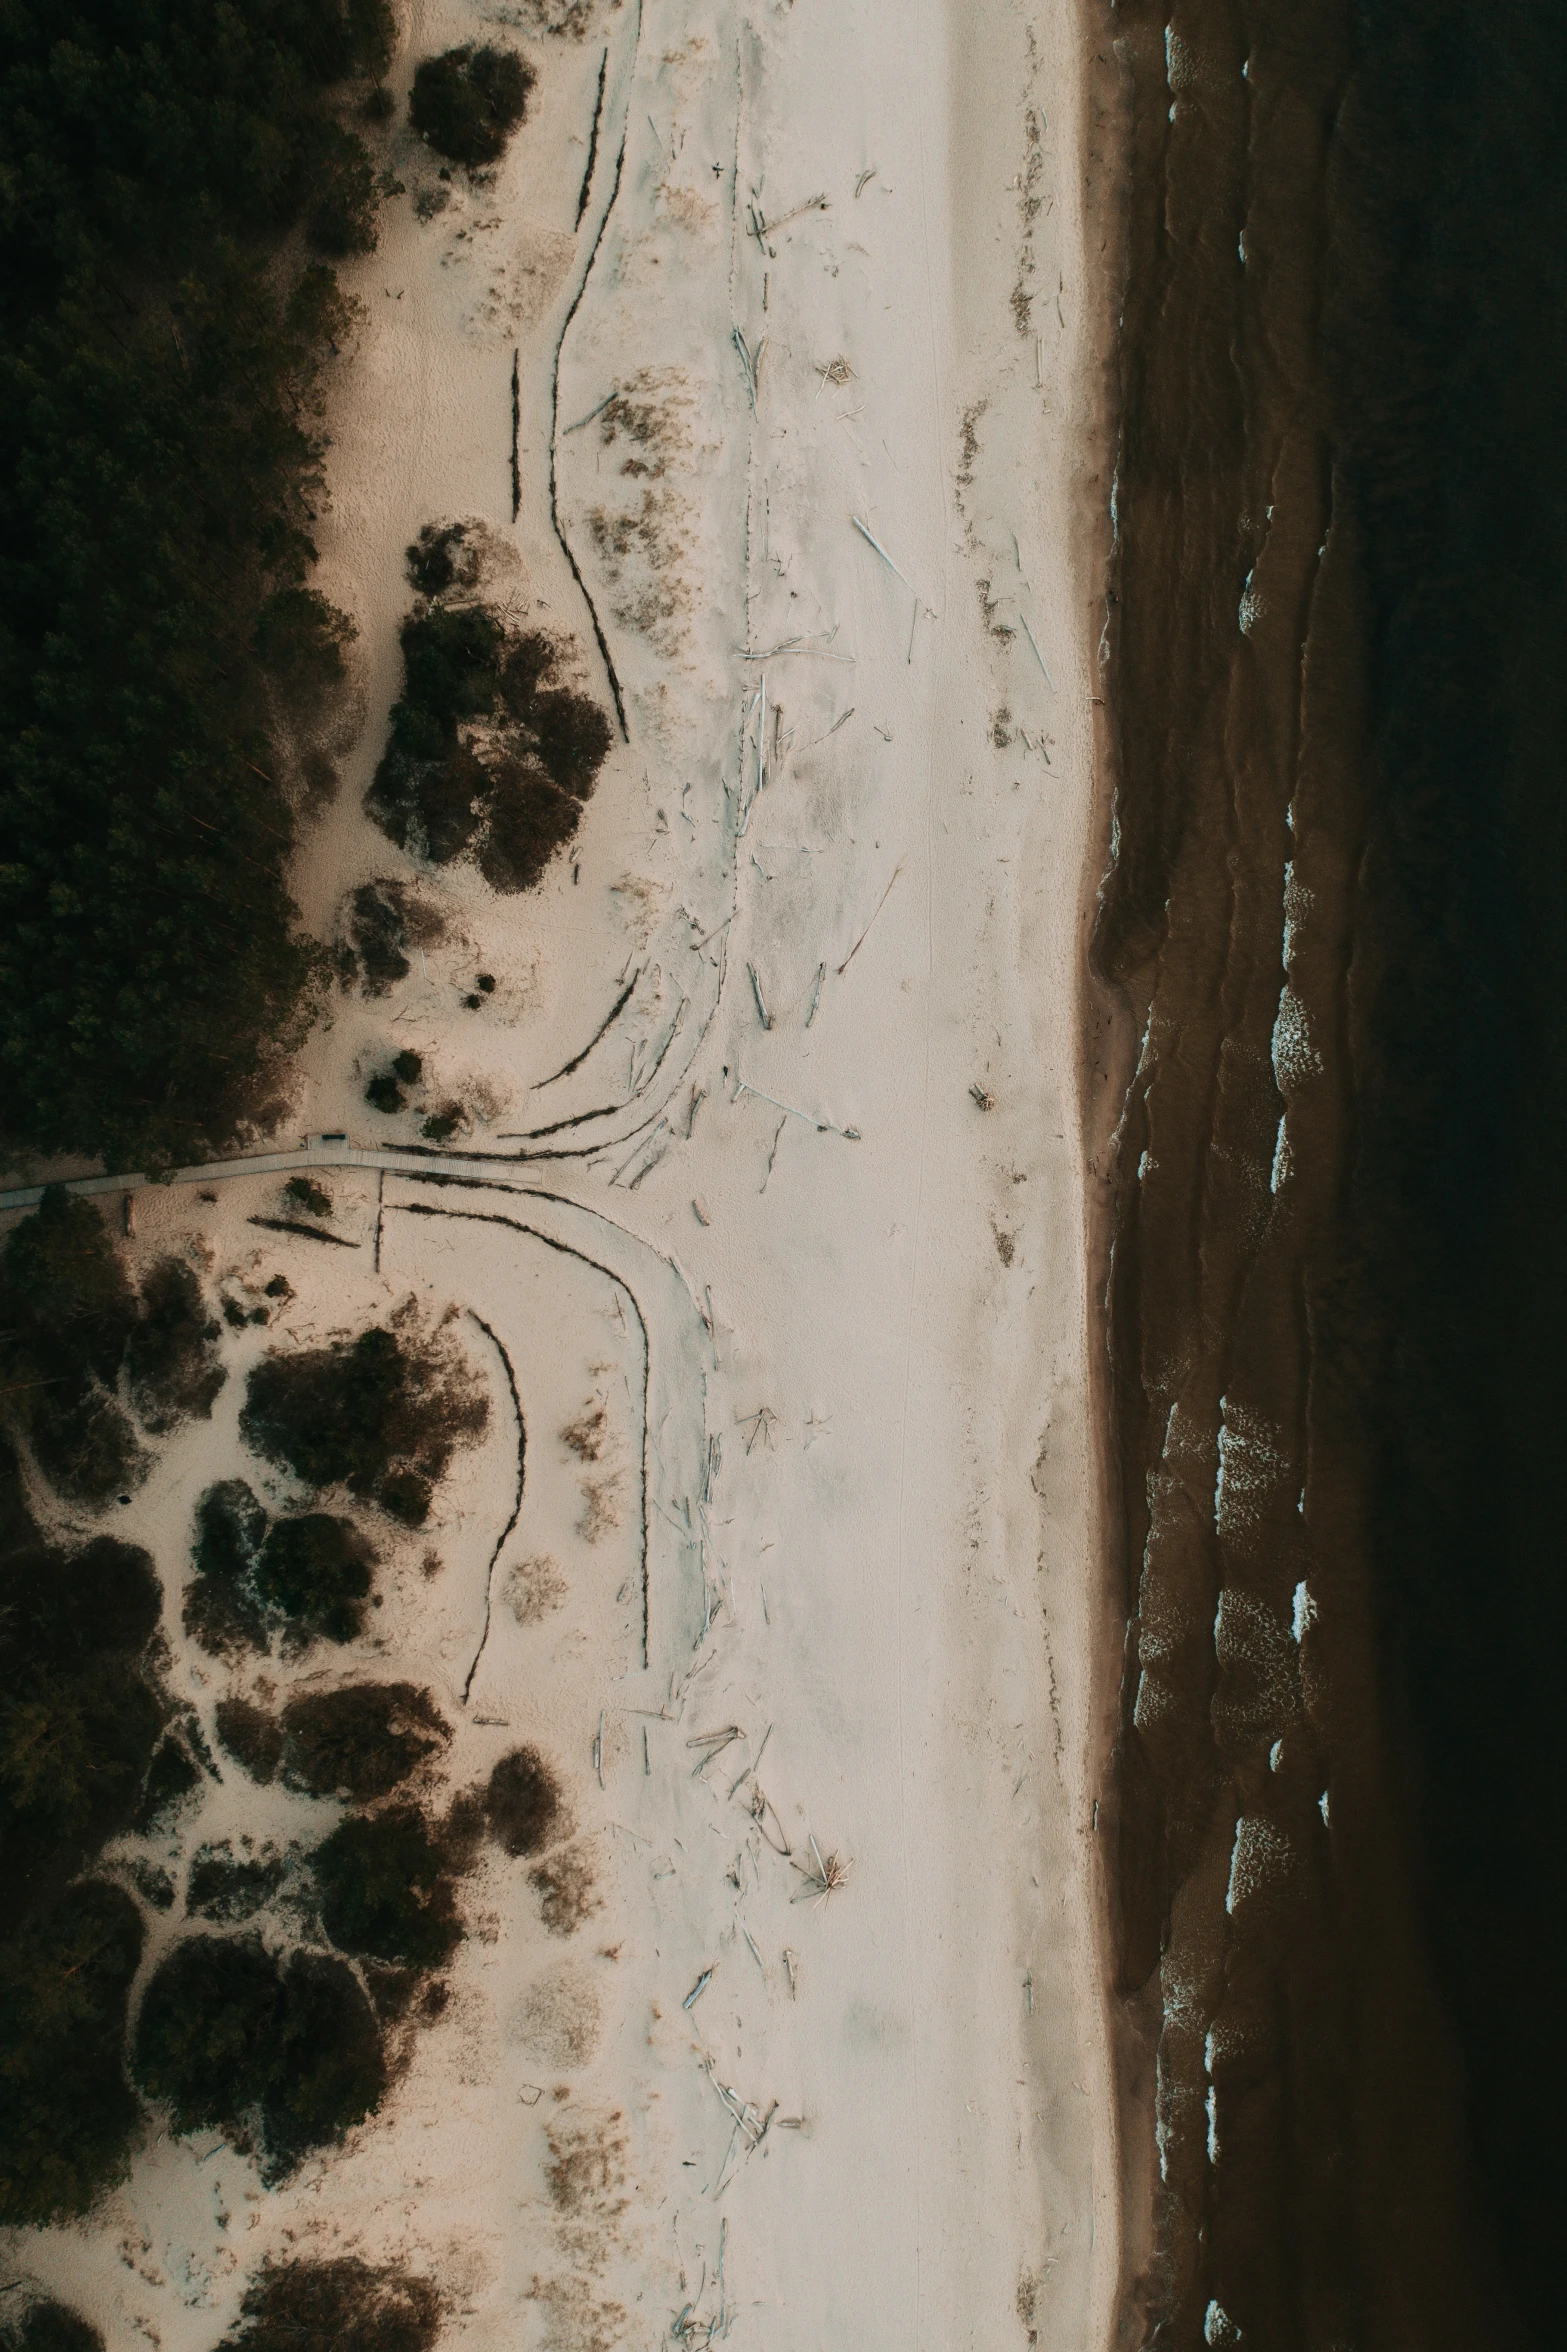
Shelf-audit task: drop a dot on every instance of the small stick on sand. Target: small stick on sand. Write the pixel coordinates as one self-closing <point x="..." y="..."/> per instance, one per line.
<point x="1038" y="656"/>
<point x="700" y="1987"/>
<point x="761" y="229"/>
<point x="761" y="1806"/>
<point x="598" y="1749"/>
<point x="871" y="541"/>
<point x="760" y="1424"/>
<point x="865" y="934"/>
<point x="761" y="1002"/>
<point x="816" y="993"/>
<point x="754" y="1764"/>
<point x="755" y="1954"/>
<point x="588" y="419"/>
<point x="791" y="1961"/>
<point x="868" y="174"/>
<point x="822" y="1126"/>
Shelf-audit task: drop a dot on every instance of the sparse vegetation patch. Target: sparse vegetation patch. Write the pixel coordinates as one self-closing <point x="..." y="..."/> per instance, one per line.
<point x="347" y="2305"/>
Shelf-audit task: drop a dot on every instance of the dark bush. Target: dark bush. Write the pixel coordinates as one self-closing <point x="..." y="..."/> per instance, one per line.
<point x="361" y="1742"/>
<point x="79" y="1717"/>
<point x="66" y="2111"/>
<point x="67" y="1311"/>
<point x="408" y="1067"/>
<point x="530" y="820"/>
<point x="385" y="1095"/>
<point x="231" y="2039"/>
<point x="573" y="738"/>
<point x="171" y="1361"/>
<point x="231" y="1888"/>
<point x="172" y="1776"/>
<point x="379" y="926"/>
<point x="384" y="1890"/>
<point x="406" y="1495"/>
<point x="442" y="558"/>
<point x="468" y="101"/>
<point x="300" y="640"/>
<point x="341" y="2306"/>
<point x="222" y="1610"/>
<point x="302" y="1192"/>
<point x="51" y="2327"/>
<point x="315" y="1572"/>
<point x="252" y="1737"/>
<point x="66" y="1288"/>
<point x="159" y="452"/>
<point x="355" y="1412"/>
<point x="305" y="1578"/>
<point x="443" y="1124"/>
<point x="521" y="801"/>
<point x="522" y="1807"/>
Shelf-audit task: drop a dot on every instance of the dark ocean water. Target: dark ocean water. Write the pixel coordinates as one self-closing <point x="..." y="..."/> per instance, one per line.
<point x="1339" y="1285"/>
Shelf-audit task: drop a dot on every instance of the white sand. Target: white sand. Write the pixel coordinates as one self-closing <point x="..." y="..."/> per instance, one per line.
<point x="870" y="1500"/>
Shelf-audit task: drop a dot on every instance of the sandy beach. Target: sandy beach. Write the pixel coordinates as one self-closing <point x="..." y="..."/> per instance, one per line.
<point x="771" y="1240"/>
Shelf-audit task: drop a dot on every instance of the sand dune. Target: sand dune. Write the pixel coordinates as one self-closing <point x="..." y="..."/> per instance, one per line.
<point x="771" y="1241"/>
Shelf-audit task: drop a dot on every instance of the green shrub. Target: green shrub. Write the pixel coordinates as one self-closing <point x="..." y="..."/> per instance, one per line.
<point x="171" y="1359"/>
<point x="79" y="1716"/>
<point x="344" y="2305"/>
<point x="172" y="1776"/>
<point x="70" y="1323"/>
<point x="384" y="1890"/>
<point x="380" y="1414"/>
<point x="303" y="1578"/>
<point x="315" y="1573"/>
<point x="302" y="1192"/>
<point x="228" y="2035"/>
<point x="385" y="1095"/>
<point x="530" y="819"/>
<point x="378" y="924"/>
<point x="228" y="1888"/>
<point x="252" y="1737"/>
<point x="520" y="803"/>
<point x="522" y="1806"/>
<point x="442" y="558"/>
<point x="66" y="2112"/>
<point x="222" y="1609"/>
<point x="467" y="102"/>
<point x="51" y="2327"/>
<point x="361" y="1742"/>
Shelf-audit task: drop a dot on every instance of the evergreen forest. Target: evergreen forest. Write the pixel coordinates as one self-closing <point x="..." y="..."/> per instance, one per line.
<point x="176" y="179"/>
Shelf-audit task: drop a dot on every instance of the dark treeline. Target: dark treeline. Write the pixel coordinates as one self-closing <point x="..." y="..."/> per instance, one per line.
<point x="175" y="179"/>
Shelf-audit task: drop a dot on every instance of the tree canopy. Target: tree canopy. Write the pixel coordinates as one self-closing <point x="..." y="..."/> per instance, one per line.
<point x="160" y="381"/>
